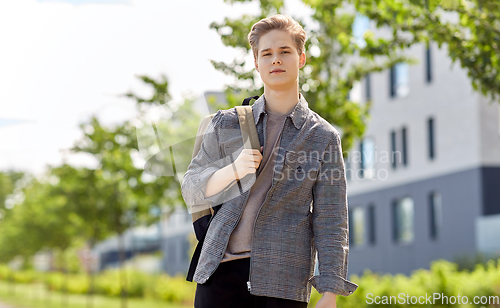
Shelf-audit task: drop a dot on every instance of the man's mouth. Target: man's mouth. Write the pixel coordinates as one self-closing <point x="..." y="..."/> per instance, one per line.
<point x="277" y="71"/>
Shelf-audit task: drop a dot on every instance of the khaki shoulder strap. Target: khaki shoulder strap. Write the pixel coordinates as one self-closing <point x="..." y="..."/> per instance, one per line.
<point x="248" y="129"/>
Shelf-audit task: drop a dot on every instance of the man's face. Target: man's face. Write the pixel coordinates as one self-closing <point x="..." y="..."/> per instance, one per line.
<point x="278" y="61"/>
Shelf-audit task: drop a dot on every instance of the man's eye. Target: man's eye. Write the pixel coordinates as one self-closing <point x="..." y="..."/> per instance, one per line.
<point x="286" y="51"/>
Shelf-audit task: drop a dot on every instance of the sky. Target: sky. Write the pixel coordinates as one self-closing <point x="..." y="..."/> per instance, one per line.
<point x="62" y="61"/>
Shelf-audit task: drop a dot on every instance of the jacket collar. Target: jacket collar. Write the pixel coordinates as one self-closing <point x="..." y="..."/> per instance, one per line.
<point x="298" y="113"/>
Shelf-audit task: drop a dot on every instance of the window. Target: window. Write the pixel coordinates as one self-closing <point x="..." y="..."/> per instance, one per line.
<point x="435" y="211"/>
<point x="399" y="80"/>
<point x="430" y="134"/>
<point x="367" y="163"/>
<point x="393" y="150"/>
<point x="404" y="146"/>
<point x="428" y="71"/>
<point x="392" y="82"/>
<point x="399" y="148"/>
<point x="371" y="225"/>
<point x="402" y="217"/>
<point x="357" y="226"/>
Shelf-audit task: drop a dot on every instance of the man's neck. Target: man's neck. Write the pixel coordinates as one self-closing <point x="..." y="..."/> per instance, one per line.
<point x="281" y="101"/>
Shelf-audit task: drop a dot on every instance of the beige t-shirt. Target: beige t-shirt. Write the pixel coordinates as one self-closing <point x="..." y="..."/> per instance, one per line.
<point x="240" y="241"/>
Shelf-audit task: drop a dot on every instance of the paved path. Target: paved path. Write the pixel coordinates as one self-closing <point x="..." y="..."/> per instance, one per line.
<point x="2" y="305"/>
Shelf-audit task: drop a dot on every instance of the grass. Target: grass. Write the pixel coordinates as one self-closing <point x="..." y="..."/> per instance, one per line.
<point x="37" y="296"/>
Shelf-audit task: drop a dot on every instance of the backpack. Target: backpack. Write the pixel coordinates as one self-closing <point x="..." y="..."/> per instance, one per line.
<point x="202" y="219"/>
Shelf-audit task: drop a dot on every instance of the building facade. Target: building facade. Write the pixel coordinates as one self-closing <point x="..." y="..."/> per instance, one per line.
<point x="423" y="183"/>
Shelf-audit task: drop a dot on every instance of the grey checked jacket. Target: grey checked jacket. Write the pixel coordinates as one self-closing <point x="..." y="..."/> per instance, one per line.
<point x="304" y="212"/>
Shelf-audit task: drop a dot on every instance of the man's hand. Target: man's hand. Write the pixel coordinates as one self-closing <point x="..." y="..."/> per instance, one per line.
<point x="328" y="300"/>
<point x="247" y="162"/>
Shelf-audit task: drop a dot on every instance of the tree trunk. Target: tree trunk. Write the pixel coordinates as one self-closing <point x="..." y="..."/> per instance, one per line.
<point x="12" y="283"/>
<point x="46" y="282"/>
<point x="90" y="272"/>
<point x="64" y="289"/>
<point x="123" y="278"/>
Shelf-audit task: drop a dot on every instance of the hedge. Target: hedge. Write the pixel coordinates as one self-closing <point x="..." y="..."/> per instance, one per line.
<point x="442" y="278"/>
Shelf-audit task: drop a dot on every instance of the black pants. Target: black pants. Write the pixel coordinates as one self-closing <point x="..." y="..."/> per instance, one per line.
<point x="227" y="287"/>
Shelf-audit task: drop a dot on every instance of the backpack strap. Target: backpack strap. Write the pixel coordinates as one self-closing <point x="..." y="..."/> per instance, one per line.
<point x="247" y="126"/>
<point x="247" y="100"/>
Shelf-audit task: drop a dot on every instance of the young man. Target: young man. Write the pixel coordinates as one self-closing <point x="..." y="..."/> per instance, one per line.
<point x="260" y="248"/>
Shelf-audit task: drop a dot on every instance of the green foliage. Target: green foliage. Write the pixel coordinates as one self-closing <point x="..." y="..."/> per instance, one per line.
<point x="443" y="277"/>
<point x="174" y="289"/>
<point x="106" y="282"/>
<point x="41" y="220"/>
<point x="140" y="285"/>
<point x="71" y="283"/>
<point x="4" y="272"/>
<point x="473" y="40"/>
<point x="67" y="260"/>
<point x="468" y="263"/>
<point x="25" y="276"/>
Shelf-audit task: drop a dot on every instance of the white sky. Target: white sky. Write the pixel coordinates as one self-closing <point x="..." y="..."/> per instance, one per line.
<point x="62" y="61"/>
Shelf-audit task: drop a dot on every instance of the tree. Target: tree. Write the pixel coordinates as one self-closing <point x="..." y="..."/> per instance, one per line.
<point x="473" y="41"/>
<point x="86" y="204"/>
<point x="41" y="221"/>
<point x="120" y="193"/>
<point x="117" y="188"/>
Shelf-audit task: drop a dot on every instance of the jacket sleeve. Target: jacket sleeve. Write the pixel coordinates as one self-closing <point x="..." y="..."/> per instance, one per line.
<point x="330" y="222"/>
<point x="203" y="166"/>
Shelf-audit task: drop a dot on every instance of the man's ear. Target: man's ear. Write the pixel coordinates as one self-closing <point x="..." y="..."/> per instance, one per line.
<point x="302" y="60"/>
<point x="256" y="65"/>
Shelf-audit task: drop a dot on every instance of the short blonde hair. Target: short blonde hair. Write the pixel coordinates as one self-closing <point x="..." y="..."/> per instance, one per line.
<point x="277" y="22"/>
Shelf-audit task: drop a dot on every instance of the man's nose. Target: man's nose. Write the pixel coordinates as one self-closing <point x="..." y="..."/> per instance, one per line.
<point x="276" y="60"/>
